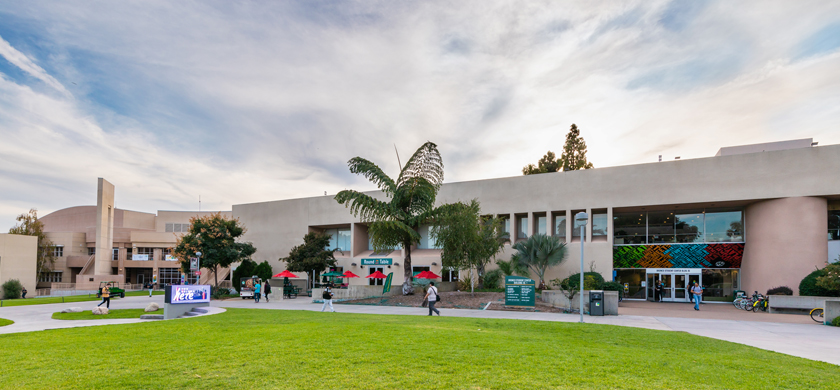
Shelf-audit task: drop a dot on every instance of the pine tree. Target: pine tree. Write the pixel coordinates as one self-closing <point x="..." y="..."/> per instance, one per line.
<point x="574" y="152"/>
<point x="547" y="163"/>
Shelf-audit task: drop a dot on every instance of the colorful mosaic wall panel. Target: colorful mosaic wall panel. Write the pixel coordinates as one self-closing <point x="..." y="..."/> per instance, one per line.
<point x="678" y="256"/>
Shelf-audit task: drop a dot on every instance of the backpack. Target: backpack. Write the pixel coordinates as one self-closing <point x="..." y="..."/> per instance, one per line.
<point x="437" y="294"/>
<point x="326" y="294"/>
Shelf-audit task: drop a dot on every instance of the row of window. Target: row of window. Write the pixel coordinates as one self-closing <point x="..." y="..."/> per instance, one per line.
<point x="694" y="226"/>
<point x="834" y="225"/>
<point x="50" y="277"/>
<point x="177" y="228"/>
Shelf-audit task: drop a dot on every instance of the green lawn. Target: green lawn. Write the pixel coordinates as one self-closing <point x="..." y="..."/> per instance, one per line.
<point x="4" y="322"/>
<point x="258" y="349"/>
<point x="112" y="314"/>
<point x="74" y="298"/>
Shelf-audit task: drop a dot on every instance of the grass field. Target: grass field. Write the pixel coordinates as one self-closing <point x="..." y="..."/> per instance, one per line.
<point x="73" y="298"/>
<point x="112" y="314"/>
<point x="256" y="349"/>
<point x="4" y="322"/>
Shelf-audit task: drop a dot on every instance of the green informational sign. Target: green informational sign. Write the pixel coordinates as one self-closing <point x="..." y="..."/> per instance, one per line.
<point x="387" y="286"/>
<point x="519" y="291"/>
<point x="377" y="261"/>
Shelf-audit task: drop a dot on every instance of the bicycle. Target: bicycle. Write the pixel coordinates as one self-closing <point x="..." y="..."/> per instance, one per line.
<point x="817" y="315"/>
<point x="761" y="304"/>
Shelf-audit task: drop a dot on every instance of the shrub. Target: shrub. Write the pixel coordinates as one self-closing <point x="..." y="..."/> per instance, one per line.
<point x="219" y="292"/>
<point x="492" y="279"/>
<point x="808" y="287"/>
<point x="831" y="278"/>
<point x="781" y="290"/>
<point x="591" y="281"/>
<point x="835" y="321"/>
<point x="612" y="286"/>
<point x="464" y="283"/>
<point x="12" y="289"/>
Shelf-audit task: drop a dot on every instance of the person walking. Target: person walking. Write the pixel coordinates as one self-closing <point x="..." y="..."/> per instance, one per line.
<point x="267" y="289"/>
<point x="696" y="292"/>
<point x="23" y="293"/>
<point x="257" y="291"/>
<point x="150" y="287"/>
<point x="106" y="296"/>
<point x="328" y="296"/>
<point x="432" y="298"/>
<point x="657" y="288"/>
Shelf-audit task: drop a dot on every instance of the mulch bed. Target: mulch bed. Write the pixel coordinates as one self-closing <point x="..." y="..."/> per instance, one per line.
<point x="454" y="300"/>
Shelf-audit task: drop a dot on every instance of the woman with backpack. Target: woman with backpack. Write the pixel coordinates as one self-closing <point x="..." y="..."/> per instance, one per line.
<point x="327" y="295"/>
<point x="432" y="297"/>
<point x="267" y="290"/>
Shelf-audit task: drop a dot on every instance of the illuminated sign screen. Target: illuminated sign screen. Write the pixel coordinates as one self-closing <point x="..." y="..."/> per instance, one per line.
<point x="187" y="294"/>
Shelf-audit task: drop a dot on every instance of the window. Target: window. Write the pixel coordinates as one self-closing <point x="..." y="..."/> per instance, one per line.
<point x="128" y="254"/>
<point x="91" y="251"/>
<point x="144" y="254"/>
<point x="417" y="270"/>
<point x="600" y="223"/>
<point x="58" y="251"/>
<point x="376" y="282"/>
<point x="50" y="277"/>
<point x="661" y="227"/>
<point x="169" y="276"/>
<point x="629" y="228"/>
<point x="522" y="227"/>
<point x="834" y="224"/>
<point x="177" y="228"/>
<point x="449" y="275"/>
<point x="116" y="255"/>
<point x="339" y="239"/>
<point x="540" y="227"/>
<point x="560" y="225"/>
<point x="690" y="227"/>
<point x="427" y="239"/>
<point x="724" y="226"/>
<point x="576" y="225"/>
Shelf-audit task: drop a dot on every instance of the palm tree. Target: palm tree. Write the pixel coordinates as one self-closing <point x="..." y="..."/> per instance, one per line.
<point x="538" y="253"/>
<point x="412" y="199"/>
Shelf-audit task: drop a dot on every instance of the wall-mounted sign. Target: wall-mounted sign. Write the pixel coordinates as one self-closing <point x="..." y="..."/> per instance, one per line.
<point x="377" y="261"/>
<point x="170" y="258"/>
<point x="674" y="270"/>
<point x="519" y="291"/>
<point x="193" y="263"/>
<point x="187" y="294"/>
<point x="140" y="257"/>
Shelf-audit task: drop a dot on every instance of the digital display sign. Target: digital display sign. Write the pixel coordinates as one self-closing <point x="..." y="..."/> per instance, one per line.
<point x="187" y="294"/>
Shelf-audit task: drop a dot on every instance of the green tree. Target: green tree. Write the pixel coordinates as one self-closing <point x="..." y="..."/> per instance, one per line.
<point x="830" y="279"/>
<point x="12" y="289"/>
<point x="574" y="152"/>
<point x="30" y="226"/>
<point x="548" y="163"/>
<point x="469" y="241"/>
<point x="215" y="236"/>
<point x="412" y="202"/>
<point x="244" y="270"/>
<point x="312" y="255"/>
<point x="264" y="271"/>
<point x="538" y="253"/>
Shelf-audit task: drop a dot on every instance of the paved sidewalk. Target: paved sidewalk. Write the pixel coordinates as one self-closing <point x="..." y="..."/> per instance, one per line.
<point x="39" y="317"/>
<point x="806" y="339"/>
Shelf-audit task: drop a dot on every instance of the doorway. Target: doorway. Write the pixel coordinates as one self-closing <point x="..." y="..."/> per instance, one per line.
<point x="376" y="282"/>
<point x="675" y="286"/>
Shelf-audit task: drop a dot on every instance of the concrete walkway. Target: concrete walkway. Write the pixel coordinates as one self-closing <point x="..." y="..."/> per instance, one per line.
<point x="39" y="317"/>
<point x="802" y="338"/>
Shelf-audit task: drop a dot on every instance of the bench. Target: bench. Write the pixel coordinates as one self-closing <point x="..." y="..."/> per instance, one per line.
<point x="780" y="303"/>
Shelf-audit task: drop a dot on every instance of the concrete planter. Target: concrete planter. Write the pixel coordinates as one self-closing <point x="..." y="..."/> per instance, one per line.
<point x="557" y="299"/>
<point x="780" y="303"/>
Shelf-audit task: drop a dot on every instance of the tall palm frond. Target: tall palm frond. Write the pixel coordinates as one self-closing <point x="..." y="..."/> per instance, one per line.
<point x="373" y="173"/>
<point x="366" y="207"/>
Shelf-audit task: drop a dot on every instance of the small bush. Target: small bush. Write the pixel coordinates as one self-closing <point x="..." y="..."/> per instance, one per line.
<point x="835" y="321"/>
<point x="612" y="286"/>
<point x="808" y="287"/>
<point x="781" y="290"/>
<point x="492" y="279"/>
<point x="591" y="281"/>
<point x="219" y="292"/>
<point x="465" y="283"/>
<point x="12" y="289"/>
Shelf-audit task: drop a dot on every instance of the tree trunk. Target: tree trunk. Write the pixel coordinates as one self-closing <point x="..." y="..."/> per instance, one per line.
<point x="215" y="275"/>
<point x="407" y="287"/>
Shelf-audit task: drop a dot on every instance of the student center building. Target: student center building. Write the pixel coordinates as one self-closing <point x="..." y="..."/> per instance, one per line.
<point x="750" y="218"/>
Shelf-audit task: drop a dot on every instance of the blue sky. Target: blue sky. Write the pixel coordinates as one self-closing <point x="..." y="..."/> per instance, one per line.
<point x="251" y="101"/>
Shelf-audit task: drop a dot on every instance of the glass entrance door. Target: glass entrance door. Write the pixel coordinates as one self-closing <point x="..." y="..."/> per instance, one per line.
<point x="679" y="287"/>
<point x="691" y="279"/>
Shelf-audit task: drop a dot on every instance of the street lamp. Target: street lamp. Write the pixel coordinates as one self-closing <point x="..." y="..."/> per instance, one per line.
<point x="581" y="218"/>
<point x="198" y="266"/>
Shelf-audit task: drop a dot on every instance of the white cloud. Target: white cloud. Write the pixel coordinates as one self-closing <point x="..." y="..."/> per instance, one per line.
<point x="260" y="101"/>
<point x="27" y="65"/>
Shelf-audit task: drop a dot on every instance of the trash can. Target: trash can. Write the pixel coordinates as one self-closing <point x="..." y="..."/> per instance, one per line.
<point x="596" y="303"/>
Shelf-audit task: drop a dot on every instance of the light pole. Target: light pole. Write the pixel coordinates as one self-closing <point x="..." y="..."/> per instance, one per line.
<point x="581" y="218"/>
<point x="198" y="266"/>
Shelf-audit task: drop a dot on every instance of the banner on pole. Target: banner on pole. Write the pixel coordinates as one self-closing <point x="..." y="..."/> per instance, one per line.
<point x="387" y="286"/>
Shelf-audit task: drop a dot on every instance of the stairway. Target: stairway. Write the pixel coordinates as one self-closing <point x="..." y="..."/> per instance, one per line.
<point x="196" y="311"/>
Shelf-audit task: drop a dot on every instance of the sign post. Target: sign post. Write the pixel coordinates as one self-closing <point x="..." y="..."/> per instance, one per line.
<point x="519" y="291"/>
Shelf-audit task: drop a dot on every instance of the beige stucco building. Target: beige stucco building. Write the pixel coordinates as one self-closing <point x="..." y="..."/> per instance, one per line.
<point x="744" y="220"/>
<point x="18" y="260"/>
<point x="102" y="243"/>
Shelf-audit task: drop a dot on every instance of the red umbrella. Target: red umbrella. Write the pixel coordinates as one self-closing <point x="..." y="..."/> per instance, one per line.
<point x="427" y="275"/>
<point x="349" y="274"/>
<point x="285" y="274"/>
<point x="377" y="275"/>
